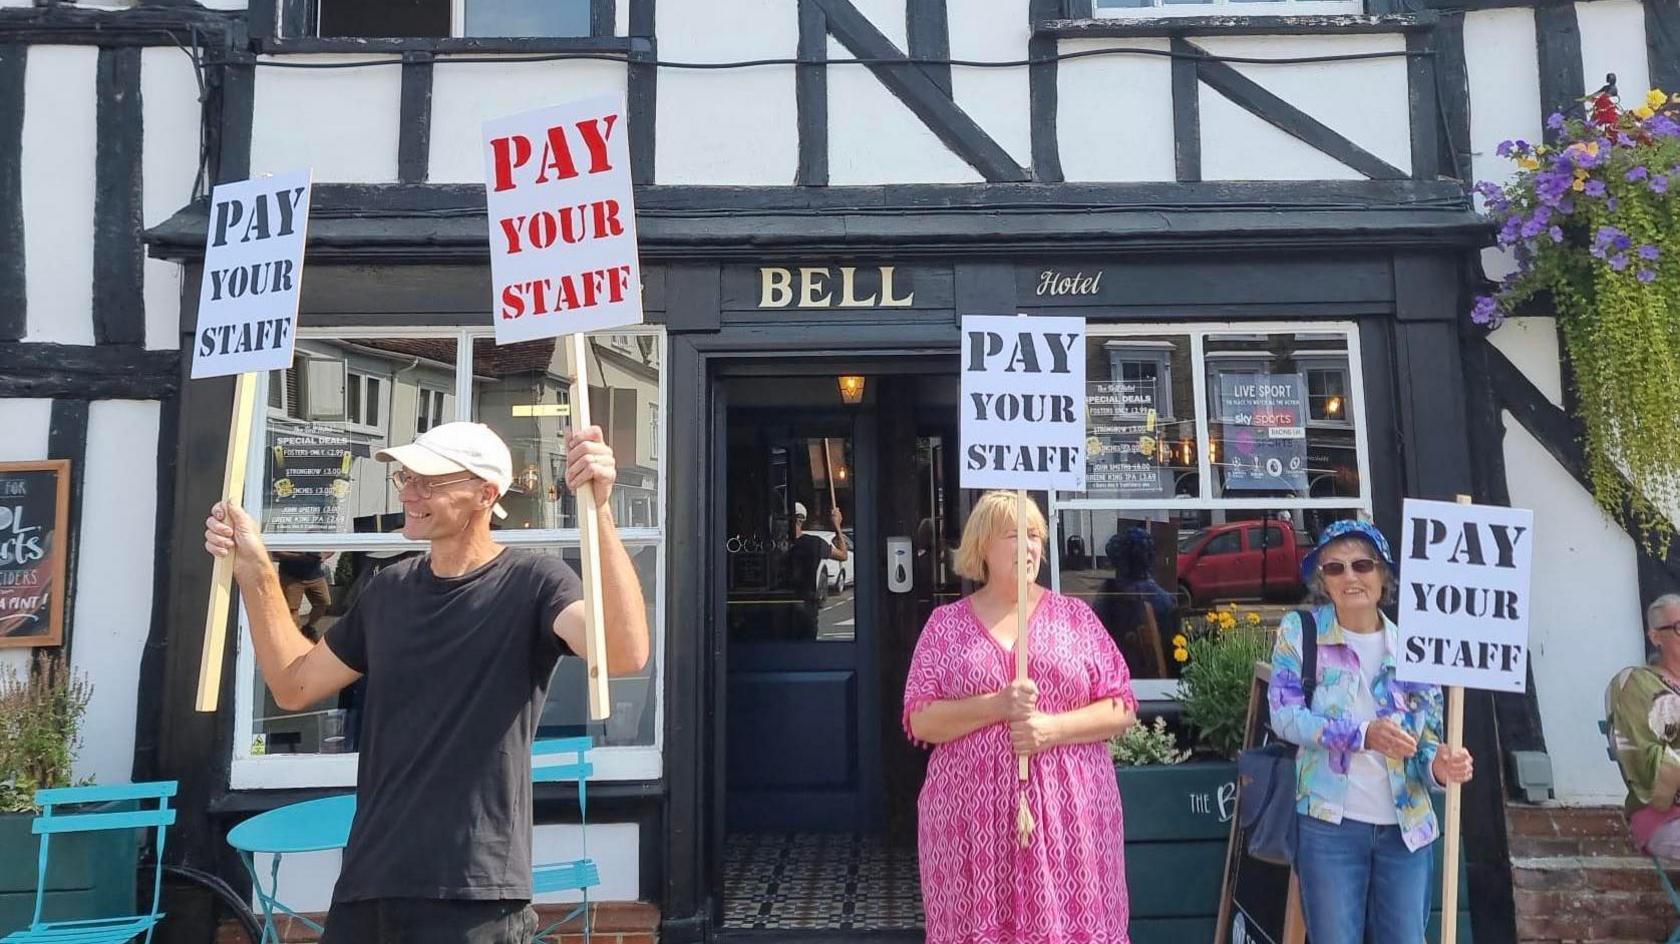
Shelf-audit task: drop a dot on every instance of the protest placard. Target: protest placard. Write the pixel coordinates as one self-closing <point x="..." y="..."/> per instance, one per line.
<point x="562" y="221"/>
<point x="1464" y="595"/>
<point x="253" y="275"/>
<point x="1023" y="403"/>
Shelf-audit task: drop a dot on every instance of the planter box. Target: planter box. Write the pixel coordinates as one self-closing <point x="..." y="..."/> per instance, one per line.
<point x="1178" y="824"/>
<point x="89" y="875"/>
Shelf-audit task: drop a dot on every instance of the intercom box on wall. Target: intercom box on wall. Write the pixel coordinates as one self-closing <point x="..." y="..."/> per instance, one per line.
<point x="899" y="565"/>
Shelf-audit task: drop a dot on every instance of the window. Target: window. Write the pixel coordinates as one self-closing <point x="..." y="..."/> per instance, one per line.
<point x="442" y="18"/>
<point x="1209" y="475"/>
<point x="1152" y="8"/>
<point x="332" y="520"/>
<point x="434" y="409"/>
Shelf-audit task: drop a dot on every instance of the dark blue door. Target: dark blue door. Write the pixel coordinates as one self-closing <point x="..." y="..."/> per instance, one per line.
<point x="801" y="706"/>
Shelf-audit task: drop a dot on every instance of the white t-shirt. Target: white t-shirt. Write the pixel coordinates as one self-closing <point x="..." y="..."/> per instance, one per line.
<point x="1369" y="797"/>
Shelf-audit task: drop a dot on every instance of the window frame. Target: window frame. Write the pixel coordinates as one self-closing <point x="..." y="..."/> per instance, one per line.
<point x="1201" y="374"/>
<point x="287" y="771"/>
<point x="1163" y="10"/>
<point x="307" y="15"/>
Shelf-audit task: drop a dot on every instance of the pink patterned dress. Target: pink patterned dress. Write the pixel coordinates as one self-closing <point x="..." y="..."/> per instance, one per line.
<point x="978" y="885"/>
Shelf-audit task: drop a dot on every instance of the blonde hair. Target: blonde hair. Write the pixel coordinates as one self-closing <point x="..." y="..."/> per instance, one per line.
<point x="993" y="515"/>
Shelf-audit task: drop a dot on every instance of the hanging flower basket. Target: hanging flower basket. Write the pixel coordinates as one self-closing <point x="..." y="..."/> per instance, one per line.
<point x="1593" y="222"/>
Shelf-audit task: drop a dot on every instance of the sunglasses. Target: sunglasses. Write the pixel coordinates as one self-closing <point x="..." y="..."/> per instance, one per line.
<point x="1364" y="565"/>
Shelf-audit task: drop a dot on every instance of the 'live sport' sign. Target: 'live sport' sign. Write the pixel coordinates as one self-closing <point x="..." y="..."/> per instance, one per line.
<point x="1465" y="595"/>
<point x="253" y="274"/>
<point x="1023" y="403"/>
<point x="562" y="221"/>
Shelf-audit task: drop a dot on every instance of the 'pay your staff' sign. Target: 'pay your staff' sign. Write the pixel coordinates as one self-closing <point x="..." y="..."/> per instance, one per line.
<point x="1023" y="406"/>
<point x="253" y="271"/>
<point x="562" y="221"/>
<point x="1465" y="597"/>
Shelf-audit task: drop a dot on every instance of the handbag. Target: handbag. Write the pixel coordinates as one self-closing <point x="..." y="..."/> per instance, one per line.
<point x="1266" y="775"/>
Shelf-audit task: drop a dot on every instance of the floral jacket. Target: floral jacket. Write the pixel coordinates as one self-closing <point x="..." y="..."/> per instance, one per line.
<point x="1328" y="737"/>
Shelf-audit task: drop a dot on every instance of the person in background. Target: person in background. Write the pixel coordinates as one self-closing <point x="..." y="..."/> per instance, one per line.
<point x="1137" y="610"/>
<point x="1068" y="885"/>
<point x="1371" y="751"/>
<point x="303" y="575"/>
<point x="805" y="556"/>
<point x="1645" y="727"/>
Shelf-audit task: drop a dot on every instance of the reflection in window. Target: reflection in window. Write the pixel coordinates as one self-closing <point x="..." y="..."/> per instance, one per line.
<point x="319" y="588"/>
<point x="1137" y="444"/>
<point x="523" y="392"/>
<point x="1156" y="574"/>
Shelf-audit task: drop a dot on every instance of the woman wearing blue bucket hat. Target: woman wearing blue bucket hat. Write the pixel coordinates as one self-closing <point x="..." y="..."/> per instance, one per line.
<point x="1371" y="750"/>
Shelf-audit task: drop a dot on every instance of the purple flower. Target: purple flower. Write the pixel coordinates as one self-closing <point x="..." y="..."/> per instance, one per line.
<point x="1649" y="252"/>
<point x="1638" y="173"/>
<point x="1554" y="121"/>
<point x="1619" y="262"/>
<point x="1556" y="233"/>
<point x="1663" y="126"/>
<point x="1486" y="311"/>
<point x="1646" y="276"/>
<point x="1610" y="204"/>
<point x="1659" y="184"/>
<point x="1532" y="228"/>
<point x="1612" y="237"/>
<point x="1566" y="206"/>
<point x="1504" y="149"/>
<point x="1509" y="232"/>
<point x="1595" y="188"/>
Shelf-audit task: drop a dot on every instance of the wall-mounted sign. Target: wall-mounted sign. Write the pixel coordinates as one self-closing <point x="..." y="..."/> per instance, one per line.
<point x="1058" y="283"/>
<point x="1124" y="449"/>
<point x="834" y="287"/>
<point x="309" y="476"/>
<point x="34" y="538"/>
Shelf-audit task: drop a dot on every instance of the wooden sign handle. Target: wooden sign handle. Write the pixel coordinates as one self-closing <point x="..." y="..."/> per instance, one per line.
<point x="221" y="575"/>
<point x="1454" y="810"/>
<point x="1022" y="617"/>
<point x="589" y="549"/>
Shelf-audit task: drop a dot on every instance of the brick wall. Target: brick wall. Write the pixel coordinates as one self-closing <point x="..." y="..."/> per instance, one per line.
<point x="615" y="922"/>
<point x="1577" y="878"/>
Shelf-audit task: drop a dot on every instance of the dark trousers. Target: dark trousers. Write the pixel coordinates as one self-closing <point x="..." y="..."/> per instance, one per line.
<point x="429" y="921"/>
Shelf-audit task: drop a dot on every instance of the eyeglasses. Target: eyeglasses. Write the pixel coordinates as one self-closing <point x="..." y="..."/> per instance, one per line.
<point x="424" y="487"/>
<point x="1364" y="565"/>
<point x="1670" y="628"/>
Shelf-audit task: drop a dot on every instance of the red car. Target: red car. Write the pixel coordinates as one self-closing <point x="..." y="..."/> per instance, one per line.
<point x="1240" y="561"/>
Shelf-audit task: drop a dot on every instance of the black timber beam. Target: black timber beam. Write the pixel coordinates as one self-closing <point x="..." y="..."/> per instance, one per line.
<point x="119" y="305"/>
<point x="84" y="372"/>
<point x="14" y="299"/>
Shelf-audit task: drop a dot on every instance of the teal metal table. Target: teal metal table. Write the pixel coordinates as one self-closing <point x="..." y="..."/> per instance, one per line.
<point x="311" y="826"/>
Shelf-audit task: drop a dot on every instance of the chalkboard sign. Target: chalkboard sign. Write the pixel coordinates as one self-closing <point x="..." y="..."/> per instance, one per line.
<point x="1261" y="903"/>
<point x="34" y="534"/>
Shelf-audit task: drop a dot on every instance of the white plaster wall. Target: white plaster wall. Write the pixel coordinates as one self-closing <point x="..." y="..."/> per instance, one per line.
<point x="873" y="138"/>
<point x="169" y="162"/>
<point x="113" y="605"/>
<point x="999" y="100"/>
<point x="306" y="881"/>
<point x="58" y="182"/>
<point x="621" y="19"/>
<point x="1114" y="113"/>
<point x="1365" y="101"/>
<point x="1504" y="78"/>
<point x="1613" y="40"/>
<point x="1584" y="623"/>
<point x="1237" y="145"/>
<point x="342" y="123"/>
<point x="888" y="16"/>
<point x="1532" y="345"/>
<point x="467" y="94"/>
<point x="728" y="126"/>
<point x="23" y="436"/>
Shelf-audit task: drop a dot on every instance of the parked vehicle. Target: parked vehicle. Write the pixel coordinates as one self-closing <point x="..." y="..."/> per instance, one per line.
<point x="1244" y="560"/>
<point x="834" y="576"/>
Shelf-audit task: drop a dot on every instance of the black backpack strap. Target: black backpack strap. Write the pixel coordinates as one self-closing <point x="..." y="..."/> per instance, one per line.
<point x="1309" y="655"/>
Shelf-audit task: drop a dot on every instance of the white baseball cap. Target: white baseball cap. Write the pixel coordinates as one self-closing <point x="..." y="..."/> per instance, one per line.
<point x="799" y="510"/>
<point x="457" y="447"/>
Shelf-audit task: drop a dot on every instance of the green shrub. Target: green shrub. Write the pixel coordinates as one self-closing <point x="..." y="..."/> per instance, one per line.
<point x="1147" y="744"/>
<point x="40" y="731"/>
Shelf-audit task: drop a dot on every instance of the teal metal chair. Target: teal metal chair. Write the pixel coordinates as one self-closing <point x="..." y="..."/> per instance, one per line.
<point x="564" y="760"/>
<point x="54" y="821"/>
<point x="1605" y="729"/>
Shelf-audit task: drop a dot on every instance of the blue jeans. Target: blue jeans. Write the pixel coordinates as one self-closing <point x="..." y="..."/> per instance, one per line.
<point x="1360" y="884"/>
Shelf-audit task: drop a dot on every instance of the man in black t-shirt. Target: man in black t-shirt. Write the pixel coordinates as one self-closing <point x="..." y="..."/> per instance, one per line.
<point x="806" y="553"/>
<point x="457" y="647"/>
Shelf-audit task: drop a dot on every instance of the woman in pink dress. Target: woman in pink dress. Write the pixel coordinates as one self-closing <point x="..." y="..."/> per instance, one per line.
<point x="979" y="885"/>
